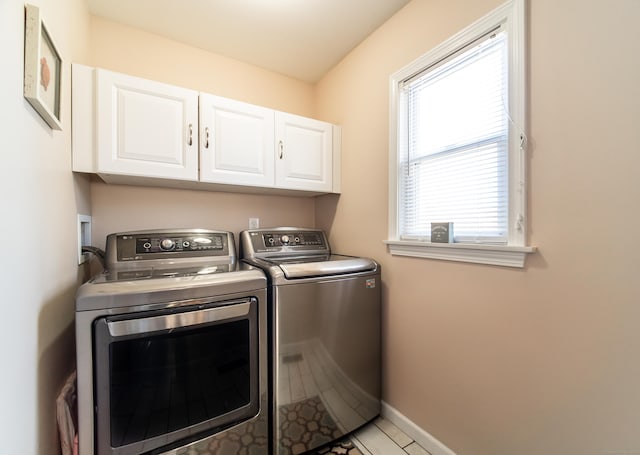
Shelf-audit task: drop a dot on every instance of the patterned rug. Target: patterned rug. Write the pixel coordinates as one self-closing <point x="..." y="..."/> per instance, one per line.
<point x="342" y="447"/>
<point x="308" y="424"/>
<point x="304" y="425"/>
<point x="250" y="439"/>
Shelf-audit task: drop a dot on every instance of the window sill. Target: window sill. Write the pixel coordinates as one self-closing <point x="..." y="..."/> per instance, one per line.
<point x="502" y="255"/>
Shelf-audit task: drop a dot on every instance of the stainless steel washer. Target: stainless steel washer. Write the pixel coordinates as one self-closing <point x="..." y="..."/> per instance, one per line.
<point x="324" y="314"/>
<point x="172" y="347"/>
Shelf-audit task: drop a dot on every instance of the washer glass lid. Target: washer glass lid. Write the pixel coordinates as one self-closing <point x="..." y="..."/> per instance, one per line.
<point x="301" y="259"/>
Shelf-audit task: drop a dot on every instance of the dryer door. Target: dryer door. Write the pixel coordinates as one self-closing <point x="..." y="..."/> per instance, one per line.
<point x="166" y="375"/>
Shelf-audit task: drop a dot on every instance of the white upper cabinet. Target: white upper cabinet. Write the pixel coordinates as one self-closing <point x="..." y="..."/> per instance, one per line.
<point x="236" y="142"/>
<point x="146" y="128"/>
<point x="141" y="132"/>
<point x="304" y="149"/>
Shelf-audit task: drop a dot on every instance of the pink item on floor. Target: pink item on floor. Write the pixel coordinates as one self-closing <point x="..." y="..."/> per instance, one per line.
<point x="66" y="411"/>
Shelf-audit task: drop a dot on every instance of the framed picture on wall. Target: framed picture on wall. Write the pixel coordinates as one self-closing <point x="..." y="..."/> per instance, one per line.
<point x="42" y="68"/>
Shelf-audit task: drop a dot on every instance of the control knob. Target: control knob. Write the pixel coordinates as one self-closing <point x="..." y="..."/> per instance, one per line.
<point x="167" y="244"/>
<point x="284" y="239"/>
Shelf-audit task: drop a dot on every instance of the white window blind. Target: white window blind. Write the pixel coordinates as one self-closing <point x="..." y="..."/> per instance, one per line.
<point x="453" y="145"/>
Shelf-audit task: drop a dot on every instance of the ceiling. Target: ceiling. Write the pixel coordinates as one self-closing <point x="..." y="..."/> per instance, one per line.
<point x="302" y="39"/>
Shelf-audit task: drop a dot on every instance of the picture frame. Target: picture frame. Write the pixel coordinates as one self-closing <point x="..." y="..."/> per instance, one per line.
<point x="42" y="69"/>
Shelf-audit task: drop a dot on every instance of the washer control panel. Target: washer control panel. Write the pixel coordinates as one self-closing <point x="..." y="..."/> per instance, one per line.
<point x="284" y="240"/>
<point x="314" y="239"/>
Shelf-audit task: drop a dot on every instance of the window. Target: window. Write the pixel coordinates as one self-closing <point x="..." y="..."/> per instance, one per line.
<point x="457" y="143"/>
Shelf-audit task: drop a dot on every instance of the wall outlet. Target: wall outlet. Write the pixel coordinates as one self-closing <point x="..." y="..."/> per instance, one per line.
<point x="254" y="223"/>
<point x="84" y="236"/>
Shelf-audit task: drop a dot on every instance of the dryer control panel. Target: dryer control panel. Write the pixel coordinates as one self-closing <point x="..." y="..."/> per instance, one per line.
<point x="169" y="244"/>
<point x="179" y="243"/>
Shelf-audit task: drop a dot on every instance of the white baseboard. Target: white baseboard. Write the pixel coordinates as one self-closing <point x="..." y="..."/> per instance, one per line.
<point x="427" y="441"/>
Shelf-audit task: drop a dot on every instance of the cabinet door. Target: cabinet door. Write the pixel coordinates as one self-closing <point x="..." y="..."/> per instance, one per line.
<point x="304" y="153"/>
<point x="146" y="128"/>
<point x="236" y="142"/>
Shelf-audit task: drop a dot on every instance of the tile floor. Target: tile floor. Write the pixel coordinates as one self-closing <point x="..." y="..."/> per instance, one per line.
<point x="378" y="438"/>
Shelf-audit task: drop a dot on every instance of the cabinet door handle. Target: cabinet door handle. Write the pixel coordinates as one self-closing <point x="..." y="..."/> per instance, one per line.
<point x="206" y="137"/>
<point x="190" y="140"/>
<point x="281" y="147"/>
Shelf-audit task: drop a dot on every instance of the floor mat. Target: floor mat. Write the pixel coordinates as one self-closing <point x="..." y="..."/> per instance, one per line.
<point x="304" y="425"/>
<point x="250" y="439"/>
<point x="342" y="447"/>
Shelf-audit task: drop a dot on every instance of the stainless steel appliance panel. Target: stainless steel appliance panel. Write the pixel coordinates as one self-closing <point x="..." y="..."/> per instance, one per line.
<point x="179" y="296"/>
<point x="324" y="313"/>
<point x="327" y="343"/>
<point x="257" y="426"/>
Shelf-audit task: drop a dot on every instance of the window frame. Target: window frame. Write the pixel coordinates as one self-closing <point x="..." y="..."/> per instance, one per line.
<point x="511" y="16"/>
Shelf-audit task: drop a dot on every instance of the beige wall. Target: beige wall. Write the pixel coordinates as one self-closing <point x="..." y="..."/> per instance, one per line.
<point x="119" y="208"/>
<point x="492" y="360"/>
<point x="128" y="50"/>
<point x="39" y="199"/>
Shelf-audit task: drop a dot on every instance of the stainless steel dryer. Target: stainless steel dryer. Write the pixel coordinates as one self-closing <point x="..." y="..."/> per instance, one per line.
<point x="325" y="336"/>
<point x="172" y="348"/>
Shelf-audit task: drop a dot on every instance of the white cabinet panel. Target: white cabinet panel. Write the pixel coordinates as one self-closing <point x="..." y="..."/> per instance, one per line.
<point x="136" y="131"/>
<point x="146" y="128"/>
<point x="304" y="153"/>
<point x="236" y="142"/>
